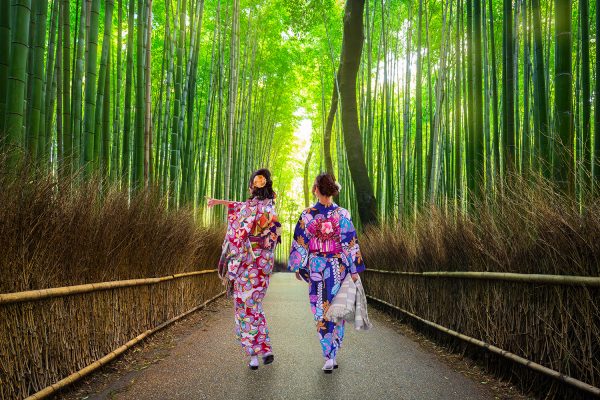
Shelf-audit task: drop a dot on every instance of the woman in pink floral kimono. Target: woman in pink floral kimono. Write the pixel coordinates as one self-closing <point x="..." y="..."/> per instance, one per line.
<point x="253" y="231"/>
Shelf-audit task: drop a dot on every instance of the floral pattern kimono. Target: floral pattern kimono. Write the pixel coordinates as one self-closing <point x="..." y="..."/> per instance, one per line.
<point x="325" y="249"/>
<point x="253" y="231"/>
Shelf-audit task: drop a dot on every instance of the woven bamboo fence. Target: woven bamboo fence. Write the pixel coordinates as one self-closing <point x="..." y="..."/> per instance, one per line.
<point x="551" y="320"/>
<point x="47" y="335"/>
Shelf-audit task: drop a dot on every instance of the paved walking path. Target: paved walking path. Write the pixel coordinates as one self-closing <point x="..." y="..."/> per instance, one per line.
<point x="379" y="364"/>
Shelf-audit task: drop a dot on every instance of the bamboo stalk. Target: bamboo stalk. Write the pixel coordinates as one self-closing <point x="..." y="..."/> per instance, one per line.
<point x="591" y="281"/>
<point x="506" y="354"/>
<point x="117" y="352"/>
<point x="32" y="295"/>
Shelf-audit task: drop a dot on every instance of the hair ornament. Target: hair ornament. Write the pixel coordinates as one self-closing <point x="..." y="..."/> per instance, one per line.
<point x="259" y="181"/>
<point x="338" y="186"/>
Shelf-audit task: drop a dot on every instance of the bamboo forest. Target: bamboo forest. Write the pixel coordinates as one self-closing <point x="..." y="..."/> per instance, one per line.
<point x="464" y="135"/>
<point x="191" y="96"/>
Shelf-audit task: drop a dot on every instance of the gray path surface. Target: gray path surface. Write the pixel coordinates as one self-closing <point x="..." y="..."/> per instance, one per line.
<point x="379" y="364"/>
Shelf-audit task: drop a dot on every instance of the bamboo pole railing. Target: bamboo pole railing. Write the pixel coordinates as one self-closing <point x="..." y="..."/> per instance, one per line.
<point x="567" y="280"/>
<point x="31" y="295"/>
<point x="17" y="299"/>
<point x="496" y="350"/>
<point x="115" y="353"/>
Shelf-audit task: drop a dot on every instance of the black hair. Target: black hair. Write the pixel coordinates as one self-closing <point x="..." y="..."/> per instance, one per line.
<point x="265" y="192"/>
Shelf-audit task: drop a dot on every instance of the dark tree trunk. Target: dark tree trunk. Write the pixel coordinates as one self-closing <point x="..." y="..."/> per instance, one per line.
<point x="585" y="83"/>
<point x="306" y="178"/>
<point x="352" y="44"/>
<point x="496" y="140"/>
<point x="478" y="157"/>
<point x="508" y="93"/>
<point x="419" y="111"/>
<point x="128" y="94"/>
<point x="597" y="105"/>
<point x="329" y="126"/>
<point x="563" y="151"/>
<point x="457" y="109"/>
<point x="470" y="101"/>
<point x="539" y="91"/>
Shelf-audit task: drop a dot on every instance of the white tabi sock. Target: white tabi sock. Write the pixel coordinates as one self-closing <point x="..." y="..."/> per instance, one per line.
<point x="254" y="361"/>
<point x="328" y="364"/>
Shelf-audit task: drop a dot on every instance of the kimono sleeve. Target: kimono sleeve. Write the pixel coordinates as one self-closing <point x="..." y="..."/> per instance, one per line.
<point x="350" y="248"/>
<point x="299" y="250"/>
<point x="240" y="220"/>
<point x="271" y="227"/>
<point x="234" y="208"/>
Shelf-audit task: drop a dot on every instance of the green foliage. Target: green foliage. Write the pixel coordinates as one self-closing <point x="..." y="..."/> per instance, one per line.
<point x="286" y="59"/>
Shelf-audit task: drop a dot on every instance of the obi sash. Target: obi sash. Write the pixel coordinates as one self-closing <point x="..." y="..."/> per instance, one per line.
<point x="260" y="242"/>
<point x="326" y="236"/>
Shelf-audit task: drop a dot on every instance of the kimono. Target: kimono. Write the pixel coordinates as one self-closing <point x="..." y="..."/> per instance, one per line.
<point x="253" y="231"/>
<point x="325" y="249"/>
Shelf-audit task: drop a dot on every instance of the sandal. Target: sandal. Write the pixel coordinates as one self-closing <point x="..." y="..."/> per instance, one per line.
<point x="268" y="359"/>
<point x="253" y="364"/>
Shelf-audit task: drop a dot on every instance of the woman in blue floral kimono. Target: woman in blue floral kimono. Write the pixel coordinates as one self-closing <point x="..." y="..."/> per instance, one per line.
<point x="324" y="250"/>
<point x="253" y="231"/>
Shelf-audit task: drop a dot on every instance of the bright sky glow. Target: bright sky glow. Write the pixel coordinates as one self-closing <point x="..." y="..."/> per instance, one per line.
<point x="302" y="138"/>
<point x="303" y="131"/>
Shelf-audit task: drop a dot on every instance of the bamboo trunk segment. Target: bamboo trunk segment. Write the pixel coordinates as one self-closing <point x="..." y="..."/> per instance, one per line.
<point x="592" y="281"/>
<point x="31" y="295"/>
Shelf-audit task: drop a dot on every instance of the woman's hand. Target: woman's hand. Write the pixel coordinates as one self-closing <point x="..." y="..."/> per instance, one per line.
<point x="354" y="277"/>
<point x="298" y="276"/>
<point x="210" y="202"/>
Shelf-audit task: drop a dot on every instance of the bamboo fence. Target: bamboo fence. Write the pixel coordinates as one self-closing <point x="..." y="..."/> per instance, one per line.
<point x="51" y="337"/>
<point x="552" y="320"/>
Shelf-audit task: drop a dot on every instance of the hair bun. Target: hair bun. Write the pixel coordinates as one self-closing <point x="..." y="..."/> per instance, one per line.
<point x="327" y="185"/>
